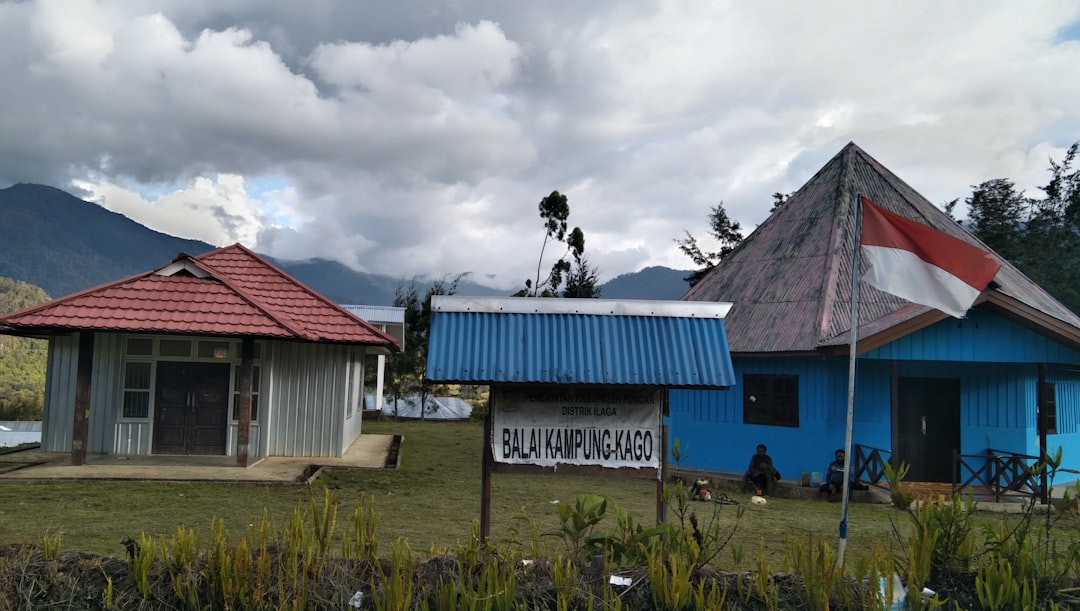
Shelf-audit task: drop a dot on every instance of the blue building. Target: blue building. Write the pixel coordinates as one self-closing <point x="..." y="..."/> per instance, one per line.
<point x="949" y="396"/>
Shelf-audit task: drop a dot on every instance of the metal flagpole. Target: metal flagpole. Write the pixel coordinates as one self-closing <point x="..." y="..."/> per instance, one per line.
<point x="854" y="321"/>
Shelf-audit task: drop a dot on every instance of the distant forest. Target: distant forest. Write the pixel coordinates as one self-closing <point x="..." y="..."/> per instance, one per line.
<point x="22" y="360"/>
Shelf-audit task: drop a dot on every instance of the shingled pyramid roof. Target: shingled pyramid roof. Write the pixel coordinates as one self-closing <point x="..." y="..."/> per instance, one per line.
<point x="229" y="291"/>
<point x="790" y="280"/>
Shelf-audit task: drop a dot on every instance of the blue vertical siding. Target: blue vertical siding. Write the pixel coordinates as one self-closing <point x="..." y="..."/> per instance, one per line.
<point x="1067" y="388"/>
<point x="709" y="424"/>
<point x="995" y="360"/>
<point x="982" y="337"/>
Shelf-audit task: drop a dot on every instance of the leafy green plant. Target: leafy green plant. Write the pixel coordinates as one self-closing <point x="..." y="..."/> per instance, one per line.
<point x="872" y="580"/>
<point x="140" y="563"/>
<point x="998" y="587"/>
<point x="700" y="542"/>
<point x="323" y="525"/>
<point x="181" y="553"/>
<point x="359" y="540"/>
<point x="50" y="546"/>
<point x="815" y="564"/>
<point x="578" y="521"/>
<point x="629" y="544"/>
<point x="523" y="536"/>
<point x="765" y="585"/>
<point x="490" y="587"/>
<point x="564" y="578"/>
<point x="669" y="576"/>
<point x="898" y="492"/>
<point x="709" y="594"/>
<point x="396" y="592"/>
<point x="951" y="524"/>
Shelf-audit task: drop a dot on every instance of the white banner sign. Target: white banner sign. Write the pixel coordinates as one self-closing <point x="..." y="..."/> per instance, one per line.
<point x="609" y="428"/>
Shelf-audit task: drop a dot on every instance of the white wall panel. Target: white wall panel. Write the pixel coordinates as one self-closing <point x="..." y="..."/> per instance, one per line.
<point x="255" y="445"/>
<point x="132" y="438"/>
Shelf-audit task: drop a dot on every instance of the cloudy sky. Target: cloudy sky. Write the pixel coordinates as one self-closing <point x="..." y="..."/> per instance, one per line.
<point x="416" y="137"/>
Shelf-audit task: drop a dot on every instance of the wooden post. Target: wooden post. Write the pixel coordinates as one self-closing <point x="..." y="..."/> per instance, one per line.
<point x="243" y="412"/>
<point x="80" y="422"/>
<point x="894" y="410"/>
<point x="661" y="508"/>
<point x="1040" y="422"/>
<point x="485" y="477"/>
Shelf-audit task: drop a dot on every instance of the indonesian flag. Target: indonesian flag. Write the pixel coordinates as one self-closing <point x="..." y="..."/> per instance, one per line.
<point x="921" y="264"/>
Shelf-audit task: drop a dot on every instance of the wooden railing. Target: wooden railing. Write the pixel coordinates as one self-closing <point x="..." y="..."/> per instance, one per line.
<point x="869" y="463"/>
<point x="1001" y="472"/>
<point x="997" y="471"/>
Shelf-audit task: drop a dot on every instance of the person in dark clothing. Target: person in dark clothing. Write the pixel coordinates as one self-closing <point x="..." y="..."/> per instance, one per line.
<point x="834" y="476"/>
<point x="761" y="476"/>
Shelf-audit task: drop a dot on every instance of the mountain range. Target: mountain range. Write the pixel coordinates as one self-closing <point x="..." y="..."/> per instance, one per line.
<point x="64" y="244"/>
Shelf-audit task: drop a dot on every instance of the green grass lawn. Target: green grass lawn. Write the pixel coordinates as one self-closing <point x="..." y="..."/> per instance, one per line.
<point x="431" y="501"/>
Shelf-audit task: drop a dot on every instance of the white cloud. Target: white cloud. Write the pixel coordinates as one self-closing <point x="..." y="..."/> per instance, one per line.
<point x="218" y="211"/>
<point x="418" y="139"/>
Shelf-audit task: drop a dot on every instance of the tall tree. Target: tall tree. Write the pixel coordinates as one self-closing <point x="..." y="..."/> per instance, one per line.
<point x="1039" y="235"/>
<point x="554" y="211"/>
<point x="1051" y="238"/>
<point x="996" y="216"/>
<point x="405" y="370"/>
<point x="583" y="281"/>
<point x="725" y="231"/>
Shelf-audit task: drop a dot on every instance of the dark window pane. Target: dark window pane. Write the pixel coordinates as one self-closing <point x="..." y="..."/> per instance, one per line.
<point x="175" y="347"/>
<point x="254" y="407"/>
<point x="136" y="404"/>
<point x="255" y="375"/>
<point x="137" y="375"/>
<point x="139" y="346"/>
<point x="771" y="399"/>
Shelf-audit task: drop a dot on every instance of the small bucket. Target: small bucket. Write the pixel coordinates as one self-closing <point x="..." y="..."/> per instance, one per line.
<point x="815" y="479"/>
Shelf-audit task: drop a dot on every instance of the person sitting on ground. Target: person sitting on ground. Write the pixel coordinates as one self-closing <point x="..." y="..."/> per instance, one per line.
<point x="761" y="476"/>
<point x="834" y="477"/>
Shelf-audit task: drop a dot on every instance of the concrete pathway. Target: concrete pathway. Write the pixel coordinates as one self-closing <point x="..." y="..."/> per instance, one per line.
<point x="367" y="452"/>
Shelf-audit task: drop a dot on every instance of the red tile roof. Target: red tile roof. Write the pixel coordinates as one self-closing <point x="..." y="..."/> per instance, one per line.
<point x="229" y="291"/>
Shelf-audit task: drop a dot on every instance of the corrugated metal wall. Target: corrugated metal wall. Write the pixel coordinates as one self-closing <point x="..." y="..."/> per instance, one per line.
<point x="302" y="398"/>
<point x="59" y="395"/>
<point x="104" y="385"/>
<point x="307" y="385"/>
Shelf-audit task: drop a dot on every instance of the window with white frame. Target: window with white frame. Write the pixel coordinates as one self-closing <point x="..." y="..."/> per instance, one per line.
<point x="137" y="389"/>
<point x="142" y="353"/>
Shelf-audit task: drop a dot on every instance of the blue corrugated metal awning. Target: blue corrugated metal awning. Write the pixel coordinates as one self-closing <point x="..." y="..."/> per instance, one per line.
<point x="578" y="341"/>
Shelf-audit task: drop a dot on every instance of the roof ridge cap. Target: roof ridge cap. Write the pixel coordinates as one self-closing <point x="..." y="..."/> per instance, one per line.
<point x="256" y="303"/>
<point x="839" y="240"/>
<point x="310" y="291"/>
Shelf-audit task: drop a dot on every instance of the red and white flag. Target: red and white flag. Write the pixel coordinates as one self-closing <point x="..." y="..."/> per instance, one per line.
<point x="922" y="264"/>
